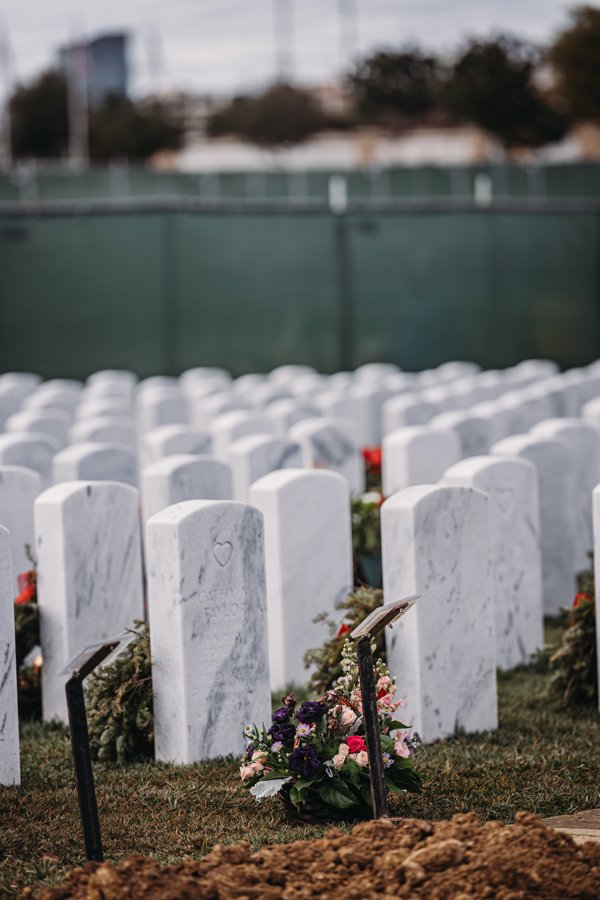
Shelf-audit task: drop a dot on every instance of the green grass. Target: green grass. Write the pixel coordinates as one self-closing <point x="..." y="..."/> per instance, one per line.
<point x="542" y="759"/>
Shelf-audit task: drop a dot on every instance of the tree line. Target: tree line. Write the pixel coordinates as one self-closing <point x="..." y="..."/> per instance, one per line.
<point x="524" y="95"/>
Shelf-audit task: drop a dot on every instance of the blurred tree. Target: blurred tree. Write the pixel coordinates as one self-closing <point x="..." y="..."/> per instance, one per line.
<point x="396" y="88"/>
<point x="492" y="85"/>
<point x="282" y="115"/>
<point x="575" y="59"/>
<point x="121" y="129"/>
<point x="39" y="118"/>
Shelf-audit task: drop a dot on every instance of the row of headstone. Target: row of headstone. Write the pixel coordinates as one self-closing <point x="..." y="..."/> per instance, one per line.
<point x="308" y="548"/>
<point x="206" y="594"/>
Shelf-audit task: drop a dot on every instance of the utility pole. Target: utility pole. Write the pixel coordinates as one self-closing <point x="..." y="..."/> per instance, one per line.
<point x="76" y="71"/>
<point x="7" y="78"/>
<point x="283" y="26"/>
<point x="348" y="34"/>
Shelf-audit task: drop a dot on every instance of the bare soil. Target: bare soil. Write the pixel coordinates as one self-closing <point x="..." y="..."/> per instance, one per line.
<point x="460" y="858"/>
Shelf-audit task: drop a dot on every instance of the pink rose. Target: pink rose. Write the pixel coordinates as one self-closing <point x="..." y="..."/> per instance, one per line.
<point x="343" y="750"/>
<point x="339" y="759"/>
<point x="362" y="759"/>
<point x="247" y="772"/>
<point x="348" y="716"/>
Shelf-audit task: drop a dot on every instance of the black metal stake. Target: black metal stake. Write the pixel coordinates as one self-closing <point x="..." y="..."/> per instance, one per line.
<point x="369" y="704"/>
<point x="86" y="792"/>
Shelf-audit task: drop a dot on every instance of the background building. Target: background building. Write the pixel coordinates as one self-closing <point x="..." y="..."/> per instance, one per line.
<point x="102" y="62"/>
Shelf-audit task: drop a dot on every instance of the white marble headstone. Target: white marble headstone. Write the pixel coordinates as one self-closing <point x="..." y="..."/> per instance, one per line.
<point x="475" y="432"/>
<point x="256" y="455"/>
<point x="554" y="465"/>
<point x="584" y="442"/>
<point x="512" y="487"/>
<point x="230" y="426"/>
<point x="407" y="409"/>
<point x="18" y="489"/>
<point x="435" y="542"/>
<point x="184" y="477"/>
<point x="161" y="405"/>
<point x="88" y="550"/>
<point x="32" y="451"/>
<point x="308" y="552"/>
<point x="10" y="770"/>
<point x="326" y="444"/>
<point x="417" y="454"/>
<point x="96" y="462"/>
<point x="54" y="423"/>
<point x="208" y="628"/>
<point x="104" y="430"/>
<point x="176" y="439"/>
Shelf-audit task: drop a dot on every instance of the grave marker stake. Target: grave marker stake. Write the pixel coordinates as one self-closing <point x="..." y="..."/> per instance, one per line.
<point x="84" y="663"/>
<point x="369" y="702"/>
<point x="363" y="635"/>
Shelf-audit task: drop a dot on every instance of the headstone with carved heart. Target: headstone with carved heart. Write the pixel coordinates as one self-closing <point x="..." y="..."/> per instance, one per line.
<point x="208" y="627"/>
<point x="512" y="486"/>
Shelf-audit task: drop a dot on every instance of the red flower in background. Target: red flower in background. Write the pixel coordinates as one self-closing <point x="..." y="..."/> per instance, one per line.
<point x="27" y="582"/>
<point x="343" y="629"/>
<point x="372" y="457"/>
<point x="581" y="597"/>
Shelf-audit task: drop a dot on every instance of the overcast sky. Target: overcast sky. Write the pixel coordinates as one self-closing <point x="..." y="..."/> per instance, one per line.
<point x="227" y="45"/>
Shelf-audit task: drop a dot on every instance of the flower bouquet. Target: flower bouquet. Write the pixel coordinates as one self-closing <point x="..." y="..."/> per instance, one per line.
<point x="314" y="756"/>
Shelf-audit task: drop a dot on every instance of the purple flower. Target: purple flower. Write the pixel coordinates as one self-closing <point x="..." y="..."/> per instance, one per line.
<point x="304" y="761"/>
<point x="277" y="746"/>
<point x="311" y="711"/>
<point x="249" y="751"/>
<point x="281" y="715"/>
<point x="284" y="733"/>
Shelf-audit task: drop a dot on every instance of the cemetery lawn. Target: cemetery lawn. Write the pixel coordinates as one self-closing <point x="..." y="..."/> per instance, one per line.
<point x="541" y="759"/>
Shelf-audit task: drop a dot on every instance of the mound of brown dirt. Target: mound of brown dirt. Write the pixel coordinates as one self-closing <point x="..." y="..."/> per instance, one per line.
<point x="460" y="858"/>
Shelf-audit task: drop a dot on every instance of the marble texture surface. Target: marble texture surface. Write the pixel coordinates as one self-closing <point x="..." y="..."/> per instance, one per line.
<point x="590" y="412"/>
<point x="256" y="455"/>
<point x="406" y="409"/>
<point x="435" y="542"/>
<point x="18" y="489"/>
<point x="158" y="405"/>
<point x="417" y="454"/>
<point x="326" y="444"/>
<point x="372" y="399"/>
<point x="554" y="464"/>
<point x="172" y="440"/>
<point x="285" y="413"/>
<point x="230" y="426"/>
<point x="54" y="423"/>
<point x="88" y="549"/>
<point x="96" y="462"/>
<point x="512" y="487"/>
<point x="475" y="432"/>
<point x="205" y="408"/>
<point x="32" y="451"/>
<point x="10" y="772"/>
<point x="308" y="551"/>
<point x="184" y="477"/>
<point x="104" y="430"/>
<point x="208" y="627"/>
<point x="584" y="442"/>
